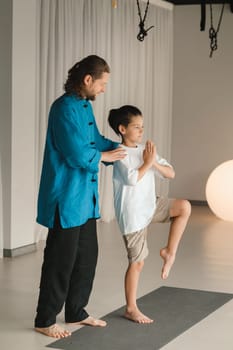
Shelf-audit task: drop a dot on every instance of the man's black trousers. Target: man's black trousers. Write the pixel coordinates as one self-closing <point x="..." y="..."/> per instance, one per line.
<point x="68" y="271"/>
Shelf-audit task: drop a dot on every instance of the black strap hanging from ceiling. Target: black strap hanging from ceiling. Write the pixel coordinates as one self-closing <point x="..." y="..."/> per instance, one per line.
<point x="203" y="15"/>
<point x="231" y="5"/>
<point x="213" y="33"/>
<point x="143" y="32"/>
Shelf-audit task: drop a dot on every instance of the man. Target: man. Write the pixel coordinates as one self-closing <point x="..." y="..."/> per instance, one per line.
<point x="68" y="198"/>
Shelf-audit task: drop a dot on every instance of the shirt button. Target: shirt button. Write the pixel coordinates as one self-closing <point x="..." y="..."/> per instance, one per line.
<point x="92" y="143"/>
<point x="90" y="123"/>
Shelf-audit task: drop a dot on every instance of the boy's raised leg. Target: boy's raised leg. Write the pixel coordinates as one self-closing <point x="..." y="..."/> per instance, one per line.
<point x="179" y="212"/>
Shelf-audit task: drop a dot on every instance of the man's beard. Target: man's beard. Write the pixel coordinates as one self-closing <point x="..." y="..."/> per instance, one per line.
<point x="91" y="97"/>
<point x="86" y="95"/>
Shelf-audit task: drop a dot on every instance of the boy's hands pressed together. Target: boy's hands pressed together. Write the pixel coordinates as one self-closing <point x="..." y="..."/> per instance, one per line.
<point x="149" y="153"/>
<point x="148" y="158"/>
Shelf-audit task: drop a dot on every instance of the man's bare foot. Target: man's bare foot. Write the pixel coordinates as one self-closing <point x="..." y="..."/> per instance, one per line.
<point x="137" y="316"/>
<point x="90" y="321"/>
<point x="168" y="262"/>
<point x="54" y="331"/>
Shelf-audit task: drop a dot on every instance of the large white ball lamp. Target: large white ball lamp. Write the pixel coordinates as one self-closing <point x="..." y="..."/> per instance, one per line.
<point x="219" y="191"/>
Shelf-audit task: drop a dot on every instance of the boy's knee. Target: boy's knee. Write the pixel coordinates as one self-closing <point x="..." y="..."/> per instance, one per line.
<point x="181" y="207"/>
<point x="186" y="207"/>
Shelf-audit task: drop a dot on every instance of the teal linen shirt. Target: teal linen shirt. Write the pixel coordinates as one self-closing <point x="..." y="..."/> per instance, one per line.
<point x="69" y="178"/>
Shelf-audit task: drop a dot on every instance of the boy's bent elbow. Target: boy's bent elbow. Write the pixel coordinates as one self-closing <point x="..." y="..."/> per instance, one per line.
<point x="173" y="174"/>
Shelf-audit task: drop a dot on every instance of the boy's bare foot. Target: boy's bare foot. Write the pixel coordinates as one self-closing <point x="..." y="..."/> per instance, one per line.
<point x="90" y="321"/>
<point x="137" y="316"/>
<point x="54" y="331"/>
<point x="168" y="262"/>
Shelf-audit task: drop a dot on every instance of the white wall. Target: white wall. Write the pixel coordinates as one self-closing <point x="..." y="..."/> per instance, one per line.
<point x="23" y="122"/>
<point x="5" y="117"/>
<point x="18" y="74"/>
<point x="202" y="100"/>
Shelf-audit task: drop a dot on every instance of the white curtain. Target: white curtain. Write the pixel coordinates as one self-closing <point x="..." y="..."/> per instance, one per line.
<point x="141" y="72"/>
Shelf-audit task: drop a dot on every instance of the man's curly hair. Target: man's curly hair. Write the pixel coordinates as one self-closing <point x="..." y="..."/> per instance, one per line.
<point x="91" y="65"/>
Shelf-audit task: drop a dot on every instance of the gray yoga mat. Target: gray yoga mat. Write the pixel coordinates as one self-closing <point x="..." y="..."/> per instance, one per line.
<point x="174" y="310"/>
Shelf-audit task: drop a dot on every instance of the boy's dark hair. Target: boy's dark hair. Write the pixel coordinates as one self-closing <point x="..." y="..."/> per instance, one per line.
<point x="92" y="65"/>
<point x="122" y="116"/>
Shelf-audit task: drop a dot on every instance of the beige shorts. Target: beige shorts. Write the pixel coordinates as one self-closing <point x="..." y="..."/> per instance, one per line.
<point x="136" y="242"/>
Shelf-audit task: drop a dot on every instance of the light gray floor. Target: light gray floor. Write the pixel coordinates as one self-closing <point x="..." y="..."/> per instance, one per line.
<point x="204" y="261"/>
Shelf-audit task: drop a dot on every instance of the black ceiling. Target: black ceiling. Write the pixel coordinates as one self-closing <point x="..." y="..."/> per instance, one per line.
<point x="196" y="2"/>
<point x="201" y="2"/>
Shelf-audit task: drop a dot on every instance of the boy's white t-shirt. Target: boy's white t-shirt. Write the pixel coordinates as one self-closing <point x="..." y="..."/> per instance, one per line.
<point x="134" y="201"/>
